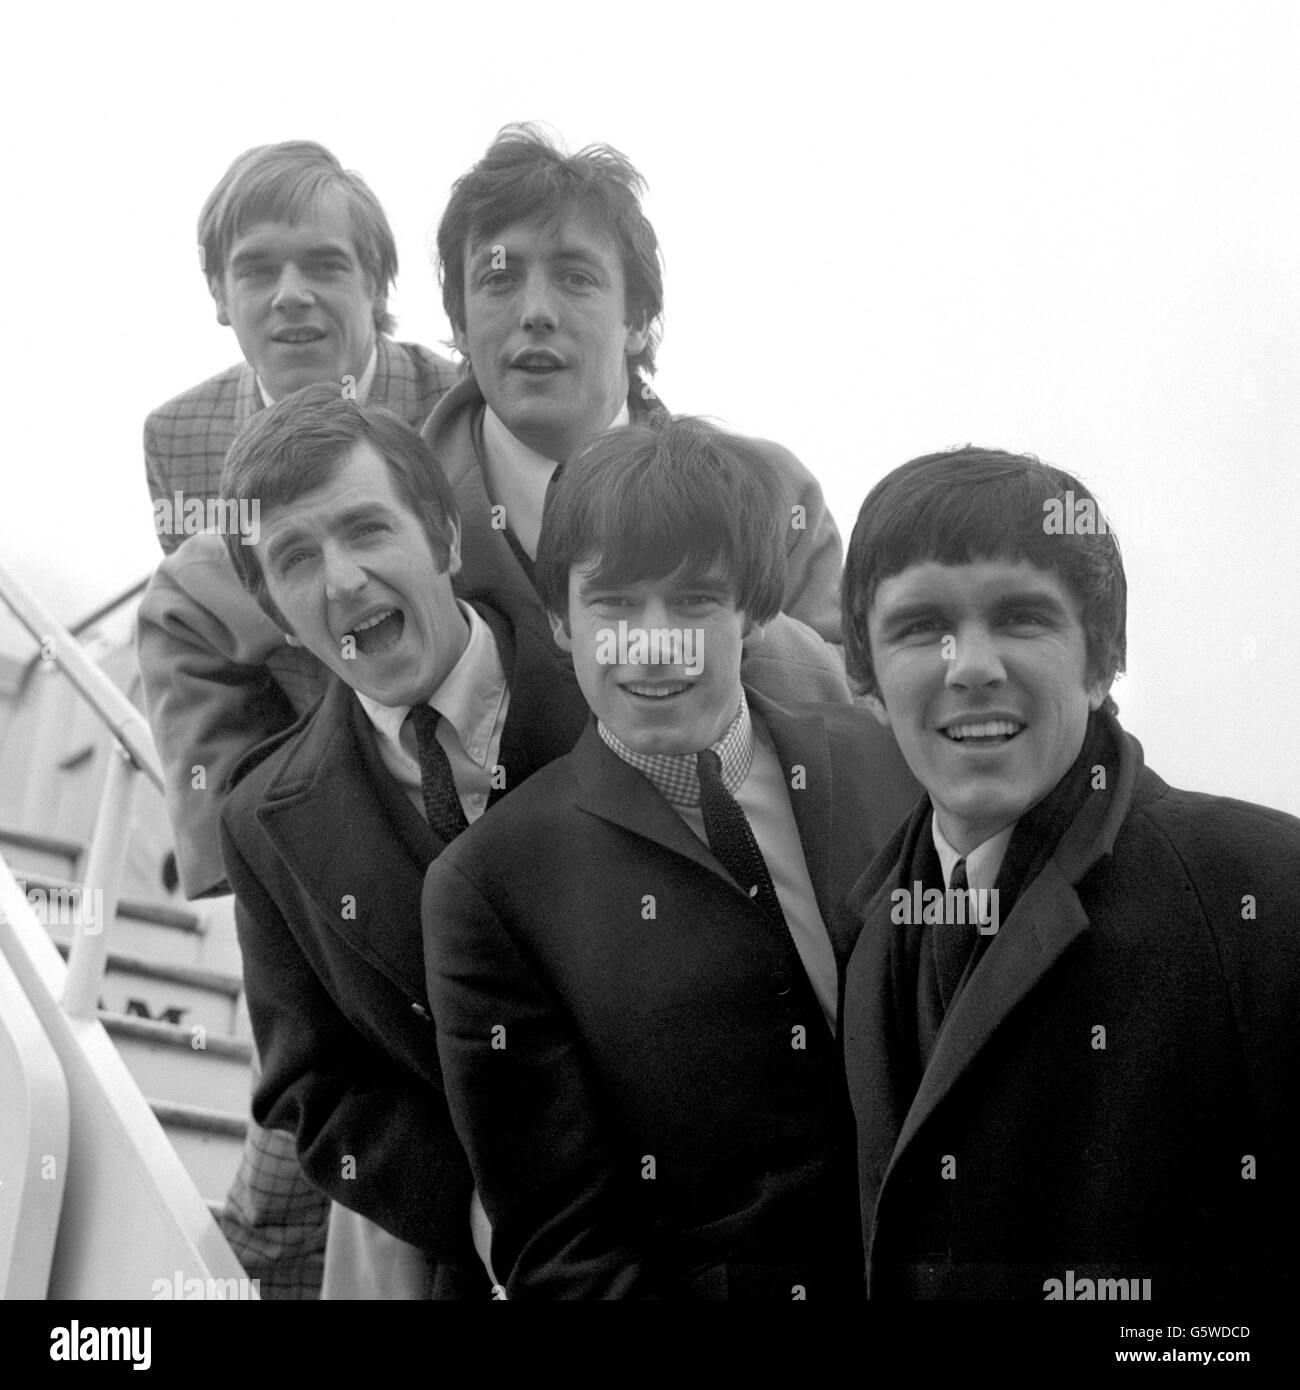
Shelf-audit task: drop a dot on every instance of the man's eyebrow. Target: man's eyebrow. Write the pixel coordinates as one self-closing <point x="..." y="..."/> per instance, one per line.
<point x="894" y="614"/>
<point x="575" y="253"/>
<point x="900" y="615"/>
<point x="490" y="249"/>
<point x="256" y="253"/>
<point x="487" y="251"/>
<point x="710" y="583"/>
<point x="588" y="587"/>
<point x="329" y="248"/>
<point x="361" y="511"/>
<point x="1031" y="598"/>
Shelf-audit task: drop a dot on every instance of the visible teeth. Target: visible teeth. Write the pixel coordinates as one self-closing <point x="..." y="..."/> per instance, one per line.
<point x="375" y="621"/>
<point x="656" y="691"/>
<point x="992" y="728"/>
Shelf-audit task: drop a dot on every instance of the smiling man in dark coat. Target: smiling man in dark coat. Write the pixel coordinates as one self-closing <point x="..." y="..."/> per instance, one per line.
<point x="1072" y="1018"/>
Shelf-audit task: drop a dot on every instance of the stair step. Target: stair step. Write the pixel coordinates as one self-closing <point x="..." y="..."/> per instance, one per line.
<point x="213" y="981"/>
<point x="177" y="994"/>
<point x="45" y="853"/>
<point x="168" y="1063"/>
<point x="208" y="1142"/>
<point x="163" y="944"/>
<point x="202" y="1119"/>
<point x="156" y="914"/>
<point x="178" y="1037"/>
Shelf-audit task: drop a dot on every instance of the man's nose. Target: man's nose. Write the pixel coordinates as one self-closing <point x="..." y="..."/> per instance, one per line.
<point x="537" y="309"/>
<point x="344" y="577"/>
<point x="292" y="288"/>
<point x="974" y="658"/>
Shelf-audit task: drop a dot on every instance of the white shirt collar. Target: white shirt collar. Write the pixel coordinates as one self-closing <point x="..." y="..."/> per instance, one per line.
<point x="510" y="455"/>
<point x="982" y="863"/>
<point x="468" y="699"/>
<point x="363" y="386"/>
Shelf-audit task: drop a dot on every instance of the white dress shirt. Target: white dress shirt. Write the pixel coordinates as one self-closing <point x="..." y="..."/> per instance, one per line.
<point x="982" y="863"/>
<point x="473" y="701"/>
<point x="517" y="477"/>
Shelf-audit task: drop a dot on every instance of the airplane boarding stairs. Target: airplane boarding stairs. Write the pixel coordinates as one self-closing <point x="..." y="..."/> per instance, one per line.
<point x="169" y="1001"/>
<point x="181" y="1027"/>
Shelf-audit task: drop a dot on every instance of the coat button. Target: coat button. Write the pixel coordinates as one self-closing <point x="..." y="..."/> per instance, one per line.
<point x="418" y="1008"/>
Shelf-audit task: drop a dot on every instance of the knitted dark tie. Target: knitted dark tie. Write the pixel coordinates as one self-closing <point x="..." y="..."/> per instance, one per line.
<point x="730" y="837"/>
<point x="437" y="786"/>
<point x="953" y="940"/>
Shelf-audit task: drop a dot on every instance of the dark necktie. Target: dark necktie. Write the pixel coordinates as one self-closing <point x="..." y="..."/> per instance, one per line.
<point x="730" y="837"/>
<point x="442" y="805"/>
<point x="953" y="940"/>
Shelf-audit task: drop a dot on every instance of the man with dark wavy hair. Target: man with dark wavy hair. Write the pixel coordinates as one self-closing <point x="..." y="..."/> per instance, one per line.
<point x="1070" y="1026"/>
<point x="551" y="280"/>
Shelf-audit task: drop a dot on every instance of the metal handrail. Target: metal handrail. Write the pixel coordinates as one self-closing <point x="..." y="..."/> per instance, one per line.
<point x="127" y="725"/>
<point x="108" y="606"/>
<point x="133" y="752"/>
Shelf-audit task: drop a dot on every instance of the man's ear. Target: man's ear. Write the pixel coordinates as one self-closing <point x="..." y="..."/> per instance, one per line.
<point x="292" y="640"/>
<point x="560" y="631"/>
<point x="636" y="339"/>
<point x="219" y="294"/>
<point x="453" y="548"/>
<point x="461" y="339"/>
<point x="877" y="707"/>
<point x="1098" y="691"/>
<point x="754" y="634"/>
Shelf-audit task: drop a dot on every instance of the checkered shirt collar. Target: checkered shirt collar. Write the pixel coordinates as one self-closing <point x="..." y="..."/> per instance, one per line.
<point x="674" y="774"/>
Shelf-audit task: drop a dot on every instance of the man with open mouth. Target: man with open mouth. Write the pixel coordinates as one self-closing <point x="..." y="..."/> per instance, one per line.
<point x="634" y="963"/>
<point x="435" y="709"/>
<point x="1106" y="1085"/>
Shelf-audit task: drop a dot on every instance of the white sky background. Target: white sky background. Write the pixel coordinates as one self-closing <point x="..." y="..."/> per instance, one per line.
<point x="888" y="228"/>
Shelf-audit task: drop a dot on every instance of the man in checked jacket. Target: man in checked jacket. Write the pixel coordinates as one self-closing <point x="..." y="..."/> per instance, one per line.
<point x="300" y="259"/>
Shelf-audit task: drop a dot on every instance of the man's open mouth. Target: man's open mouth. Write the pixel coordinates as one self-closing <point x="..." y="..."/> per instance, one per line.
<point x="380" y="632"/>
<point x="656" y="690"/>
<point x="982" y="733"/>
<point x="537" y="363"/>
<point x="296" y="336"/>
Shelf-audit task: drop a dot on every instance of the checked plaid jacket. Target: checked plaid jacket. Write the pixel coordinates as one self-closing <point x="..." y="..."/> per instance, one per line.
<point x="186" y="440"/>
